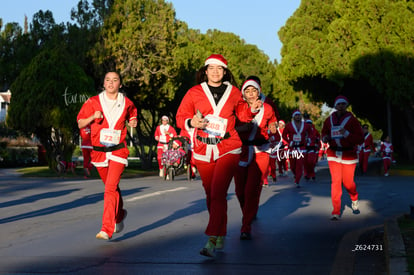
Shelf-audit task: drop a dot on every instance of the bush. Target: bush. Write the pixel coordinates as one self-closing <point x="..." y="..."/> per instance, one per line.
<point x="77" y="152"/>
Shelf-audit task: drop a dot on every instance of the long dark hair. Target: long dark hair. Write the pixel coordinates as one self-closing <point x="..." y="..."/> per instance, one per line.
<point x="202" y="77"/>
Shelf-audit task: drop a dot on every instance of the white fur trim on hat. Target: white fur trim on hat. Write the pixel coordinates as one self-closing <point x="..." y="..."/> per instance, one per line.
<point x="341" y="99"/>
<point x="297" y="112"/>
<point x="252" y="83"/>
<point x="216" y="59"/>
<point x="165" y="117"/>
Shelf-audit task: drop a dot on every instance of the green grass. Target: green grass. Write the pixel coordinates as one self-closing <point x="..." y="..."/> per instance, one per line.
<point x="133" y="170"/>
<point x="406" y="224"/>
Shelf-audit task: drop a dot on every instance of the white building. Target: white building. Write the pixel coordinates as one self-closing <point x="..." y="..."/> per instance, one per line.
<point x="4" y="104"/>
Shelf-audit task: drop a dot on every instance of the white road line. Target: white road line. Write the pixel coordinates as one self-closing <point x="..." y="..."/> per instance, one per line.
<point x="155" y="194"/>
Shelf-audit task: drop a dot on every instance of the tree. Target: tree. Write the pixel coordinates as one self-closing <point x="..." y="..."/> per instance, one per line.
<point x="359" y="48"/>
<point x="137" y="39"/>
<point x="47" y="96"/>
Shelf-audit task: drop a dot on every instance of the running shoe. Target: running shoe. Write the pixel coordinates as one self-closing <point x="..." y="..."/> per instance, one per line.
<point x="120" y="226"/>
<point x="210" y="248"/>
<point x="220" y="242"/>
<point x="355" y="205"/>
<point x="335" y="217"/>
<point x="102" y="235"/>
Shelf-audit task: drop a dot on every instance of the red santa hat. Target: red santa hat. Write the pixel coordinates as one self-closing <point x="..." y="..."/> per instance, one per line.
<point x="296" y="112"/>
<point x="282" y="121"/>
<point x="165" y="118"/>
<point x="253" y="83"/>
<point x="177" y="142"/>
<point x="216" y="59"/>
<point x="309" y="121"/>
<point x="341" y="99"/>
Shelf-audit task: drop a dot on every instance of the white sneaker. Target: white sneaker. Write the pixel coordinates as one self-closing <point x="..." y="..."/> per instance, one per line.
<point x="102" y="235"/>
<point x="161" y="173"/>
<point x="386" y="174"/>
<point x="120" y="226"/>
<point x="355" y="205"/>
<point x="335" y="217"/>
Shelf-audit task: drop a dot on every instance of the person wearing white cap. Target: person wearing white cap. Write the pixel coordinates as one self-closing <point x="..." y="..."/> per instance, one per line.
<point x="282" y="155"/>
<point x="254" y="159"/>
<point x="208" y="113"/>
<point x="312" y="150"/>
<point x="163" y="133"/>
<point x="343" y="132"/>
<point x="297" y="133"/>
<point x="365" y="149"/>
<point x="387" y="153"/>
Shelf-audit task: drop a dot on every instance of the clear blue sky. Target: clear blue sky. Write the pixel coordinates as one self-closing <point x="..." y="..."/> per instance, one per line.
<point x="257" y="22"/>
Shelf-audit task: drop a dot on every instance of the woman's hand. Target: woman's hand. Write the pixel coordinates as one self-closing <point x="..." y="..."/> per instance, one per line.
<point x="97" y="115"/>
<point x="133" y="123"/>
<point x="256" y="105"/>
<point x="197" y="122"/>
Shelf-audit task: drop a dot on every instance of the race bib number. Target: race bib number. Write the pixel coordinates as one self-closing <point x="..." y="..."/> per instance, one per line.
<point x="297" y="138"/>
<point x="387" y="150"/>
<point x="216" y="126"/>
<point x="110" y="137"/>
<point x="335" y="132"/>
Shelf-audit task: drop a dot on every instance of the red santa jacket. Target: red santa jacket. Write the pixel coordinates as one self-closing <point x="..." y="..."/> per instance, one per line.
<point x="220" y="138"/>
<point x="125" y="111"/>
<point x="342" y="148"/>
<point x="387" y="151"/>
<point x="297" y="138"/>
<point x="257" y="139"/>
<point x="163" y="137"/>
<point x="368" y="143"/>
<point x="314" y="141"/>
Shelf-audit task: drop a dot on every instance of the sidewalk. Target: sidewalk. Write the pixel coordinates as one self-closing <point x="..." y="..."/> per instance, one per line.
<point x="395" y="252"/>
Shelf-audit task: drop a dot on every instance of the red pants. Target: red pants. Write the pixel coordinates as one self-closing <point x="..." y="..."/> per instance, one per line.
<point x="249" y="186"/>
<point x="271" y="170"/>
<point x="341" y="173"/>
<point x="283" y="165"/>
<point x="159" y="156"/>
<point x="283" y="161"/>
<point x="387" y="165"/>
<point x="310" y="163"/>
<point x="86" y="153"/>
<point x="296" y="166"/>
<point x="113" y="204"/>
<point x="363" y="160"/>
<point x="216" y="177"/>
<point x="272" y="167"/>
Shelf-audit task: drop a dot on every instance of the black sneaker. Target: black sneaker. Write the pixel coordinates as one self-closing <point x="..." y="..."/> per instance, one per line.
<point x="245" y="236"/>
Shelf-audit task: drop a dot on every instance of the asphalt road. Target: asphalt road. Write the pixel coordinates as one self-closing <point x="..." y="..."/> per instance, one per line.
<point x="48" y="226"/>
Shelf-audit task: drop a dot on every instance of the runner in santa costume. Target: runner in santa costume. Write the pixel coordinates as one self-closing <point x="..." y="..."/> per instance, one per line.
<point x="107" y="114"/>
<point x="365" y="149"/>
<point x="282" y="154"/>
<point x="275" y="140"/>
<point x="297" y="133"/>
<point x="163" y="134"/>
<point x="208" y="112"/>
<point x="343" y="133"/>
<point x="312" y="150"/>
<point x="86" y="146"/>
<point x="387" y="151"/>
<point x="254" y="159"/>
<point x="263" y="97"/>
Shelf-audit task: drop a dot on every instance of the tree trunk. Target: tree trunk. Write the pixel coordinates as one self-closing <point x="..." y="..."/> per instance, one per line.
<point x="403" y="132"/>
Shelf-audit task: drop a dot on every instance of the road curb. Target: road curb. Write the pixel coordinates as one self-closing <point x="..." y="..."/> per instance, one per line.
<point x="396" y="259"/>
